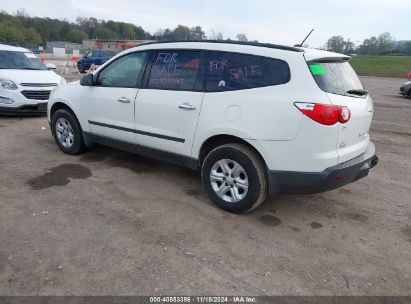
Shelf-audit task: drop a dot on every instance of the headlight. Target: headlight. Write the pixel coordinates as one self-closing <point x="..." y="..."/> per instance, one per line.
<point x="407" y="83"/>
<point x="63" y="80"/>
<point x="7" y="84"/>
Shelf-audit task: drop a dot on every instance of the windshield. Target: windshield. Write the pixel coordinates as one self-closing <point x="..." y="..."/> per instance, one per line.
<point x="335" y="77"/>
<point x="20" y="61"/>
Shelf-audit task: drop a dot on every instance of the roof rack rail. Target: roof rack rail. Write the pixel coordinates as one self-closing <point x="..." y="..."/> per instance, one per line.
<point x="267" y="45"/>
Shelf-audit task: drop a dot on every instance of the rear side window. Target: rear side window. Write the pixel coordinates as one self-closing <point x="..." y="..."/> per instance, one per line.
<point x="232" y="71"/>
<point x="176" y="70"/>
<point x="335" y="77"/>
<point x="109" y="53"/>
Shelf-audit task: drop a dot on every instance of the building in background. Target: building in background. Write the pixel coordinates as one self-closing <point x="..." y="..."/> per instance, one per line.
<point x="112" y="45"/>
<point x="69" y="47"/>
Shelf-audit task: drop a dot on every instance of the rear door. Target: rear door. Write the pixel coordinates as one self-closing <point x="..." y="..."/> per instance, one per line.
<point x="96" y="57"/>
<point x="343" y="87"/>
<point x="168" y="108"/>
<point x="86" y="60"/>
<point x="106" y="55"/>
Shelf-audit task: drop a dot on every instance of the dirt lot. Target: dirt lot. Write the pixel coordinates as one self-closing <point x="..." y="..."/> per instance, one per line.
<point x="112" y="223"/>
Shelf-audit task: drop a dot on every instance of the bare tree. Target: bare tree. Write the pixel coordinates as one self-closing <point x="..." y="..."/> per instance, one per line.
<point x="216" y="35"/>
<point x="21" y="12"/>
<point x="241" y="37"/>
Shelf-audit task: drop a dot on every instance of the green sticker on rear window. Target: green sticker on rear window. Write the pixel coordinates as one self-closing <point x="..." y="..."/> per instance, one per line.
<point x="317" y="69"/>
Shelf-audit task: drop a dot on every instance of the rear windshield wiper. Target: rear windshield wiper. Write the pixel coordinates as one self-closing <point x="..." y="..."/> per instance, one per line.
<point x="360" y="92"/>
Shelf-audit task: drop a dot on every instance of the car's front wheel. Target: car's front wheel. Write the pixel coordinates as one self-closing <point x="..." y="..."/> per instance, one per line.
<point x="67" y="132"/>
<point x="235" y="178"/>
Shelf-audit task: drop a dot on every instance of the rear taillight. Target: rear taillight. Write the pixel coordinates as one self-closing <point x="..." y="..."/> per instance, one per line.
<point x="323" y="113"/>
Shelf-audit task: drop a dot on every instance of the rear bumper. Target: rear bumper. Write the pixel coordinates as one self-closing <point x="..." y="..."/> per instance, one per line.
<point x="281" y="182"/>
<point x="29" y="109"/>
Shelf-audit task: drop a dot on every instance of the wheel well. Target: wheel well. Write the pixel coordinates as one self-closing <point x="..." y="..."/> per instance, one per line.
<point x="219" y="140"/>
<point x="59" y="105"/>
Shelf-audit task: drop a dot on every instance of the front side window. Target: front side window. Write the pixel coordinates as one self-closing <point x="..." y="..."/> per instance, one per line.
<point x="176" y="70"/>
<point x="20" y="61"/>
<point x="232" y="71"/>
<point x="123" y="72"/>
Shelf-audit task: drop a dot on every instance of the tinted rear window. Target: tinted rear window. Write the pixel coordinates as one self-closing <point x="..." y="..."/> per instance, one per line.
<point x="335" y="77"/>
<point x="176" y="70"/>
<point x="109" y="53"/>
<point x="232" y="71"/>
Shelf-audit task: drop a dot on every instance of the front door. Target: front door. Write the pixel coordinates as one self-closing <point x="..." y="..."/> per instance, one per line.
<point x="168" y="108"/>
<point x="110" y="102"/>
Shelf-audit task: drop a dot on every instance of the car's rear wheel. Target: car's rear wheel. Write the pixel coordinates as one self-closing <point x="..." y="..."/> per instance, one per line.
<point x="67" y="132"/>
<point x="235" y="178"/>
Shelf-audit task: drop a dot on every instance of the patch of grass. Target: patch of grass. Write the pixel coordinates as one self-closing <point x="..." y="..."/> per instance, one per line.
<point x="383" y="66"/>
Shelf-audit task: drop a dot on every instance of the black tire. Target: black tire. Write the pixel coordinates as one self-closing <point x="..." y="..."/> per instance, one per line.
<point x="77" y="143"/>
<point x="409" y="93"/>
<point x="255" y="171"/>
<point x="81" y="70"/>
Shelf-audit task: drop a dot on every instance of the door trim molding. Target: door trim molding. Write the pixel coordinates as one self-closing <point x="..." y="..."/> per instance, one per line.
<point x="177" y="139"/>
<point x="170" y="157"/>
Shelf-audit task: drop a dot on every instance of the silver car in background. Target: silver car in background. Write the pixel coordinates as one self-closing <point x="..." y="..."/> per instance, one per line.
<point x="405" y="89"/>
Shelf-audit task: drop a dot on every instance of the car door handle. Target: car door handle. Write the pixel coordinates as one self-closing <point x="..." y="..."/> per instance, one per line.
<point x="187" y="106"/>
<point x="123" y="100"/>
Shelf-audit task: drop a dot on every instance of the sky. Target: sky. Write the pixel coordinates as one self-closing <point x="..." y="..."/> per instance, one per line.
<point x="283" y="22"/>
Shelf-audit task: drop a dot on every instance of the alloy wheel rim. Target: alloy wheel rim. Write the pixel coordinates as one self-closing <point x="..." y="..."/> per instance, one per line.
<point x="65" y="133"/>
<point x="229" y="180"/>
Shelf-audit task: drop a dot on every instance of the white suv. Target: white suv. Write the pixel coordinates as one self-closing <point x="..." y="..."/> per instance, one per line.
<point x="25" y="82"/>
<point x="256" y="119"/>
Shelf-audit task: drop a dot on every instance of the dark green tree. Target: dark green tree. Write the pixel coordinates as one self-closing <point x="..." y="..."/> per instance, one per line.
<point x="76" y="36"/>
<point x="105" y="33"/>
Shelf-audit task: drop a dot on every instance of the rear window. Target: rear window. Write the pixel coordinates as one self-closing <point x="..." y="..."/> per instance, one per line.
<point x="335" y="77"/>
<point x="227" y="71"/>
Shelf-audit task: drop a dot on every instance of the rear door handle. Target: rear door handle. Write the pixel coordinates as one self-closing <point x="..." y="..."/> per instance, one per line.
<point x="123" y="100"/>
<point x="187" y="106"/>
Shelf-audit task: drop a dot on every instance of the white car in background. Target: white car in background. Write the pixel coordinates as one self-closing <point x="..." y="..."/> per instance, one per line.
<point x="256" y="119"/>
<point x="25" y="82"/>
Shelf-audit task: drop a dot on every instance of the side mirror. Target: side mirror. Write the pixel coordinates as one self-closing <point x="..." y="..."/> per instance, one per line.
<point x="87" y="80"/>
<point x="51" y="66"/>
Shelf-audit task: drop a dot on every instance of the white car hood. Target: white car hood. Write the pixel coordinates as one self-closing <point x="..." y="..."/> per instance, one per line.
<point x="30" y="76"/>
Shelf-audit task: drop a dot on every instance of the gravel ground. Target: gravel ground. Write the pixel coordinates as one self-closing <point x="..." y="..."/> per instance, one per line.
<point x="112" y="223"/>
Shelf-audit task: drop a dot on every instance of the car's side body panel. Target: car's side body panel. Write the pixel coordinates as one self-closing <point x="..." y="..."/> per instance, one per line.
<point x="71" y="96"/>
<point x="174" y="128"/>
<point x="265" y="117"/>
<point x="106" y="115"/>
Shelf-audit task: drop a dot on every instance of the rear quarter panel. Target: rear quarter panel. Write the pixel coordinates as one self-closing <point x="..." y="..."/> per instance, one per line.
<point x="260" y="114"/>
